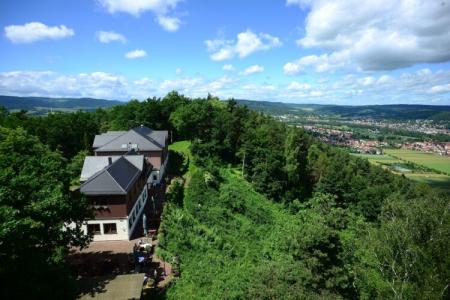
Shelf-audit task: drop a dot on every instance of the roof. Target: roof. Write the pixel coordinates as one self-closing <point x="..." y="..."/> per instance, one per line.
<point x="114" y="179"/>
<point x="102" y="139"/>
<point x="141" y="137"/>
<point x="94" y="164"/>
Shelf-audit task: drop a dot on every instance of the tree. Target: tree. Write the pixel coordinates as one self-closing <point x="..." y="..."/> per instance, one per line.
<point x="295" y="154"/>
<point x="75" y="166"/>
<point x="407" y="256"/>
<point x="35" y="203"/>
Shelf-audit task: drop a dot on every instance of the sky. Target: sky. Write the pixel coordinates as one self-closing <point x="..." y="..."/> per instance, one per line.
<point x="349" y="52"/>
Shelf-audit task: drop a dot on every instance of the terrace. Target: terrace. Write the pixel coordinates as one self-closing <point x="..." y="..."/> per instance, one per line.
<point x="119" y="269"/>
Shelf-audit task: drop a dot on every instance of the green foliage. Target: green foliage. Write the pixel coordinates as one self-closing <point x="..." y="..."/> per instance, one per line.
<point x="35" y="202"/>
<point x="75" y="166"/>
<point x="263" y="210"/>
<point x="407" y="256"/>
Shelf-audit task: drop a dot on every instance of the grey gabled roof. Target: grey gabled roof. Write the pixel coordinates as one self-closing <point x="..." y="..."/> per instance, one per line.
<point x="94" y="164"/>
<point x="144" y="138"/>
<point x="102" y="139"/>
<point x="115" y="179"/>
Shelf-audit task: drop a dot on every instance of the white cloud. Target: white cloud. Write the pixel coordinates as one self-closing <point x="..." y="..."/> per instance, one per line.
<point x="439" y="89"/>
<point x="143" y="81"/>
<point x="138" y="53"/>
<point x="384" y="79"/>
<point x="246" y="43"/>
<point x="253" y="69"/>
<point x="136" y="7"/>
<point x="379" y="34"/>
<point x="219" y="83"/>
<point x="294" y="85"/>
<point x="421" y="86"/>
<point x="179" y="84"/>
<point x="171" y="24"/>
<point x="179" y="71"/>
<point x="96" y="84"/>
<point x="316" y="93"/>
<point x="35" y="31"/>
<point x="228" y="68"/>
<point x="319" y="63"/>
<point x="110" y="36"/>
<point x="366" y="81"/>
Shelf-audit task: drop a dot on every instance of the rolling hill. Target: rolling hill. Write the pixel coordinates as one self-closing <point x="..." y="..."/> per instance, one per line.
<point x="39" y="105"/>
<point x="394" y="111"/>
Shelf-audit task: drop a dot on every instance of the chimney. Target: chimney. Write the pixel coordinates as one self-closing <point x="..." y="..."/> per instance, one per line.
<point x="109" y="160"/>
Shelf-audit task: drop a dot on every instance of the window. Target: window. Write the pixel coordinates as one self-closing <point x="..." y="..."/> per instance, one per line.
<point x="94" y="229"/>
<point x="155" y="178"/>
<point x="110" y="228"/>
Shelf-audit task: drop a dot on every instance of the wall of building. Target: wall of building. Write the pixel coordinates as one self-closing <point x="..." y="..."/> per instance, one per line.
<point x="136" y="211"/>
<point x="154" y="157"/>
<point x="108" y="206"/>
<point x="110" y="153"/>
<point x="121" y="225"/>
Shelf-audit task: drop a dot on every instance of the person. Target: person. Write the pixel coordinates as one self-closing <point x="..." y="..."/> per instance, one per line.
<point x="155" y="275"/>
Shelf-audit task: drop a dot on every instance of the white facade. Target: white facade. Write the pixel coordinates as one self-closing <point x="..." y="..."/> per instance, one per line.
<point x="124" y="226"/>
<point x="121" y="225"/>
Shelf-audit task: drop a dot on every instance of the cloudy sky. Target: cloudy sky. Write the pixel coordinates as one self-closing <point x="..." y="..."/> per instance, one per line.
<point x="304" y="51"/>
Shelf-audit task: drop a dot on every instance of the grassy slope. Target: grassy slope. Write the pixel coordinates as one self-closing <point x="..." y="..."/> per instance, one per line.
<point x="224" y="241"/>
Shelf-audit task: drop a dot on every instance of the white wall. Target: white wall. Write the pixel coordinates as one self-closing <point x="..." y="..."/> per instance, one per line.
<point x="121" y="225"/>
<point x="124" y="228"/>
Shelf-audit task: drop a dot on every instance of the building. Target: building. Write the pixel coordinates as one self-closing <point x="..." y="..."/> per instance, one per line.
<point x="121" y="180"/>
<point x="150" y="143"/>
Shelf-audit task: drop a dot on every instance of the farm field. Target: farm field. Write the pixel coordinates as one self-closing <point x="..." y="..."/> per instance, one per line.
<point x="378" y="159"/>
<point x="428" y="160"/>
<point x="438" y="181"/>
<point x="435" y="180"/>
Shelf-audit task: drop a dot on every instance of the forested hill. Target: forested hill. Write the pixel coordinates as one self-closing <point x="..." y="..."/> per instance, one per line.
<point x="266" y="211"/>
<point x="42" y="104"/>
<point x="394" y="111"/>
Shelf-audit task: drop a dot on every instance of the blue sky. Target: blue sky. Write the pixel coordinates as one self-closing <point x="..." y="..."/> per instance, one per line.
<point x="344" y="52"/>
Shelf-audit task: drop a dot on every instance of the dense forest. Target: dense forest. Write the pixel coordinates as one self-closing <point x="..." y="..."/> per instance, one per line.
<point x="268" y="212"/>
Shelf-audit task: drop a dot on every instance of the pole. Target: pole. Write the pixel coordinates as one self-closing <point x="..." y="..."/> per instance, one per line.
<point x="243" y="165"/>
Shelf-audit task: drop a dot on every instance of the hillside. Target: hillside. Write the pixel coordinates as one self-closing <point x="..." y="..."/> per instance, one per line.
<point x="394" y="112"/>
<point x="236" y="244"/>
<point x="39" y="105"/>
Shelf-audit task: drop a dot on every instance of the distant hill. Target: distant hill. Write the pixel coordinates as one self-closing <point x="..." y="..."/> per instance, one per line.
<point x="395" y="111"/>
<point x="40" y="105"/>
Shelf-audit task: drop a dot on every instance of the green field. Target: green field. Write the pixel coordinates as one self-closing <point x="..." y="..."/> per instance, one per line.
<point x="432" y="161"/>
<point x="439" y="181"/>
<point x="379" y="160"/>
